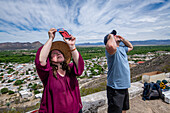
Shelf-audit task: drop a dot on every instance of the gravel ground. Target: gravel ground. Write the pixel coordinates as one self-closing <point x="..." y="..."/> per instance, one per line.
<point x="137" y="105"/>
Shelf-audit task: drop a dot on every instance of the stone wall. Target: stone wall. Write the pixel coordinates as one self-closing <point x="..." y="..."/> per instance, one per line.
<point x="97" y="102"/>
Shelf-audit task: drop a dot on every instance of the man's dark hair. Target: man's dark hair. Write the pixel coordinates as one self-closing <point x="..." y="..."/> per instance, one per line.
<point x="114" y="32"/>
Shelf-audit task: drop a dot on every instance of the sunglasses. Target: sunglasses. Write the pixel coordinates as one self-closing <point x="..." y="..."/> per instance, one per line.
<point x="60" y="30"/>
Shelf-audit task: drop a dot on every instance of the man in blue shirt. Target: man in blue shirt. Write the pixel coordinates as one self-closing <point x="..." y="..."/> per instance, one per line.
<point x="118" y="76"/>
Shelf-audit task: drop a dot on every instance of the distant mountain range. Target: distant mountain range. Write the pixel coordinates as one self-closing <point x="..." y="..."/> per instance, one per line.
<point x="37" y="44"/>
<point x="151" y="42"/>
<point x="145" y="42"/>
<point x="18" y="45"/>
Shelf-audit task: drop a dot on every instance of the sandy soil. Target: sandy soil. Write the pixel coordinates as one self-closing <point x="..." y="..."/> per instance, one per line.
<point x="137" y="105"/>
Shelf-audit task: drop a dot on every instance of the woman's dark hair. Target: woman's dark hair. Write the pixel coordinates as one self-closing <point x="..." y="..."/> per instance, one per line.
<point x="55" y="67"/>
<point x="114" y="32"/>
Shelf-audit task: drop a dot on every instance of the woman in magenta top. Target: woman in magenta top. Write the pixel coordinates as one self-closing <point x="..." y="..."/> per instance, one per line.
<point x="61" y="90"/>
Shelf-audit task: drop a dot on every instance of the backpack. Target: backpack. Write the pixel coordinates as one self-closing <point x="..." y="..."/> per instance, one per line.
<point x="152" y="91"/>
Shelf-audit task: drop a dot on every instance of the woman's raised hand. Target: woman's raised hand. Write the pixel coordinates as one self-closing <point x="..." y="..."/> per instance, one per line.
<point x="51" y="33"/>
<point x="70" y="42"/>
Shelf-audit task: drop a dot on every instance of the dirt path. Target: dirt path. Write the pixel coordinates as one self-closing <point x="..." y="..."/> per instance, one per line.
<point x="137" y="105"/>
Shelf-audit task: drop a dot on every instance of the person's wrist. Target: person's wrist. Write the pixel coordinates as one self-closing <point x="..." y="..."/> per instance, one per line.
<point x="114" y="38"/>
<point x="123" y="40"/>
<point x="72" y="47"/>
<point x="50" y="37"/>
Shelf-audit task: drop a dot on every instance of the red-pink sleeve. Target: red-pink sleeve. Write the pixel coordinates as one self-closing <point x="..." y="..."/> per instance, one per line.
<point x="43" y="71"/>
<point x="80" y="66"/>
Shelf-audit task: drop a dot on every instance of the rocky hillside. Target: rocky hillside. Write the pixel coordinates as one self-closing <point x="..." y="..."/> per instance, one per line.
<point x="18" y="45"/>
<point x="161" y="63"/>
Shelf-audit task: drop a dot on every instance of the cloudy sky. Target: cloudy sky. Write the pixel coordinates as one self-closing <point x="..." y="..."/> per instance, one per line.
<point x="87" y="20"/>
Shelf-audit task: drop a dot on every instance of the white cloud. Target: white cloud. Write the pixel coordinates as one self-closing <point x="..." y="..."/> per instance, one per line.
<point x="88" y="20"/>
<point x="146" y="19"/>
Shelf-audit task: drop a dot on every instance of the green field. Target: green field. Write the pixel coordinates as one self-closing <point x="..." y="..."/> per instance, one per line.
<point x="86" y="52"/>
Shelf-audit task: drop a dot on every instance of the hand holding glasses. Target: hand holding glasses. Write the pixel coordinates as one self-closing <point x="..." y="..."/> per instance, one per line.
<point x="64" y="33"/>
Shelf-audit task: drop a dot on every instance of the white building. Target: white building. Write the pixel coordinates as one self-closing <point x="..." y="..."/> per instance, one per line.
<point x="38" y="95"/>
<point x="25" y="94"/>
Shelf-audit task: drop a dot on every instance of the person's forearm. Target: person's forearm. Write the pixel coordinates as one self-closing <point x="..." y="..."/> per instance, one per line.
<point x="45" y="51"/>
<point x="75" y="55"/>
<point x="111" y="45"/>
<point x="111" y="41"/>
<point x="127" y="43"/>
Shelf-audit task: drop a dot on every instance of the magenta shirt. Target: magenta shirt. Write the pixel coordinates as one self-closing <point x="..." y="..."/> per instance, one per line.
<point x="61" y="95"/>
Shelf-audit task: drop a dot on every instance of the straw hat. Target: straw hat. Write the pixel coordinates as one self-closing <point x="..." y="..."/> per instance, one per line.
<point x="64" y="48"/>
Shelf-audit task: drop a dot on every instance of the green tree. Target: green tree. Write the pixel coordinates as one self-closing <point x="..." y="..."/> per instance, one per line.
<point x="92" y="69"/>
<point x="34" y="69"/>
<point x="1" y="78"/>
<point x="105" y="66"/>
<point x="30" y="84"/>
<point x="2" y="74"/>
<point x="10" y="92"/>
<point x="36" y="92"/>
<point x="7" y="104"/>
<point x="4" y="90"/>
<point x="85" y="73"/>
<point x="34" y="87"/>
<point x="18" y="82"/>
<point x="10" y="71"/>
<point x="3" y="81"/>
<point x="94" y="73"/>
<point x="19" y="89"/>
<point x="9" y="81"/>
<point x="35" y="78"/>
<point x="99" y="72"/>
<point x="16" y="72"/>
<point x="27" y="73"/>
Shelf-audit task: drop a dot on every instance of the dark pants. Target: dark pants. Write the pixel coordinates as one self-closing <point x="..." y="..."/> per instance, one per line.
<point x="118" y="100"/>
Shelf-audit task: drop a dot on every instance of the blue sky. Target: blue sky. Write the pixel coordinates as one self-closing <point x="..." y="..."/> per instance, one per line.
<point x="87" y="20"/>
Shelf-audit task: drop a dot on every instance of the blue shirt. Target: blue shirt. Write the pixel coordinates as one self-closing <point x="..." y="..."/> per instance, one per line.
<point x="118" y="76"/>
